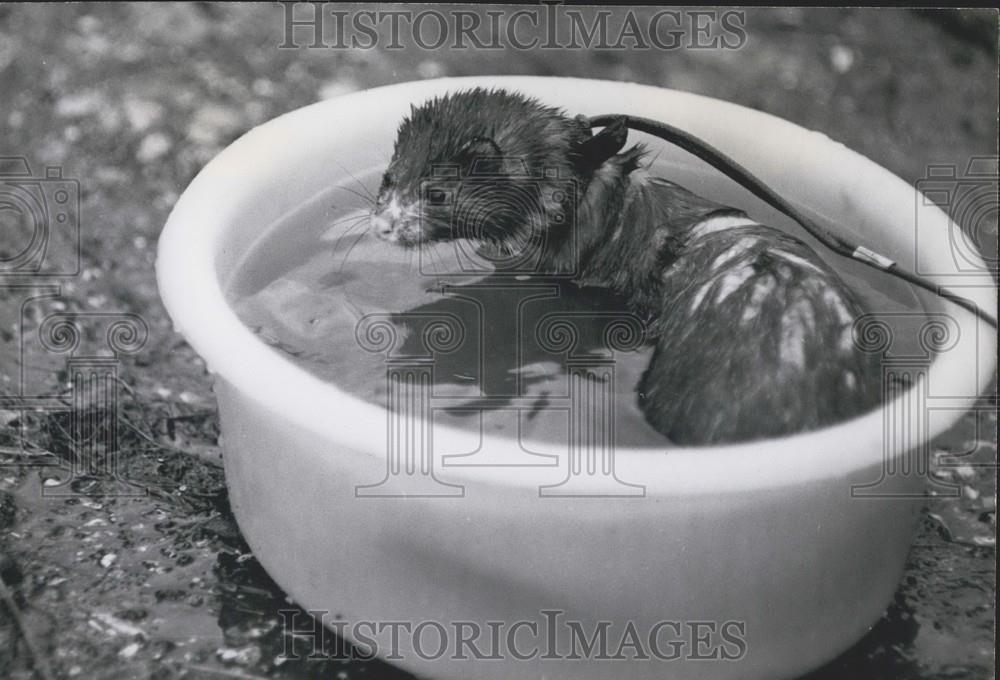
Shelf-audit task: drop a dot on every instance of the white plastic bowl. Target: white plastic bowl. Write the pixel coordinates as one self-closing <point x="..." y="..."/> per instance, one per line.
<point x="765" y="533"/>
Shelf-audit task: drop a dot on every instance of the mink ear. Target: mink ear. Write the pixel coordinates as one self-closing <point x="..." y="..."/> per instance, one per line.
<point x="605" y="144"/>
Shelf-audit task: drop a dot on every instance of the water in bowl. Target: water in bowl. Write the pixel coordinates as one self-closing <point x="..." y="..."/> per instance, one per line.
<point x="356" y="311"/>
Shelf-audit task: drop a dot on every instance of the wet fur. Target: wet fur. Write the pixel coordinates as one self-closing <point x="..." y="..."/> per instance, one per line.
<point x="751" y="328"/>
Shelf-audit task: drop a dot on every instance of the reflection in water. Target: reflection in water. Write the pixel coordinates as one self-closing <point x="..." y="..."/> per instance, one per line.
<point x="508" y="348"/>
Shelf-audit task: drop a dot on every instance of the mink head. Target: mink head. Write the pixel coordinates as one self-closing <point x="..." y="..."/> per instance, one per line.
<point x="487" y="165"/>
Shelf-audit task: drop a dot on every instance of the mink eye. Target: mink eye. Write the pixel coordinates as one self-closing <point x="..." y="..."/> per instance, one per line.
<point x="387" y="182"/>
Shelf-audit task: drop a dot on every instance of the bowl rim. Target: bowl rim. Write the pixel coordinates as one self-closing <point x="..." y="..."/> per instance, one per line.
<point x="195" y="300"/>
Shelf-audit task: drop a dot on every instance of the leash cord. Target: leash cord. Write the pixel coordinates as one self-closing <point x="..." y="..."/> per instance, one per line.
<point x="736" y="172"/>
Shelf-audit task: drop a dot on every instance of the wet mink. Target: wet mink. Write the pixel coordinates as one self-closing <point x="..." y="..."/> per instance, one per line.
<point x="752" y="330"/>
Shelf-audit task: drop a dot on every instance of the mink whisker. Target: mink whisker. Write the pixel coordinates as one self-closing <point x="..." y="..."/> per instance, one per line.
<point x="351" y="224"/>
<point x="649" y="165"/>
<point x="349" y="218"/>
<point x="341" y="231"/>
<point x="352" y="230"/>
<point x="343" y="261"/>
<point x="363" y="197"/>
<point x="361" y="184"/>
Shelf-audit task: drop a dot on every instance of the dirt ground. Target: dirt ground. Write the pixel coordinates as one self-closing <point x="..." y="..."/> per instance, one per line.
<point x="131" y="101"/>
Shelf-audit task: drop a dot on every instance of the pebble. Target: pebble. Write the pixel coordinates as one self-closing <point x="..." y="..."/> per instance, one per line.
<point x="262" y="87"/>
<point x="296" y="71"/>
<point x="429" y="68"/>
<point x="841" y="58"/>
<point x="108" y="623"/>
<point x="108" y="560"/>
<point x="8" y="51"/>
<point x="130" y="52"/>
<point x="153" y="147"/>
<point x="788" y="77"/>
<point x="789" y="17"/>
<point x="97" y="301"/>
<point x="965" y="472"/>
<point x="92" y="46"/>
<point x="128" y="651"/>
<point x="141" y="114"/>
<point x="244" y="656"/>
<point x="111" y="177"/>
<point x="88" y="24"/>
<point x="78" y="105"/>
<point x="256" y="112"/>
<point x="91" y="274"/>
<point x="969" y="492"/>
<point x="212" y="123"/>
<point x="111" y="120"/>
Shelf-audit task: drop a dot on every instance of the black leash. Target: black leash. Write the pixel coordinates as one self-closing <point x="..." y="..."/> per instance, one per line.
<point x="746" y="179"/>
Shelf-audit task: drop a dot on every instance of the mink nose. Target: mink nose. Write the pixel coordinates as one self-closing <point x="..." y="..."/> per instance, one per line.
<point x="381" y="225"/>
